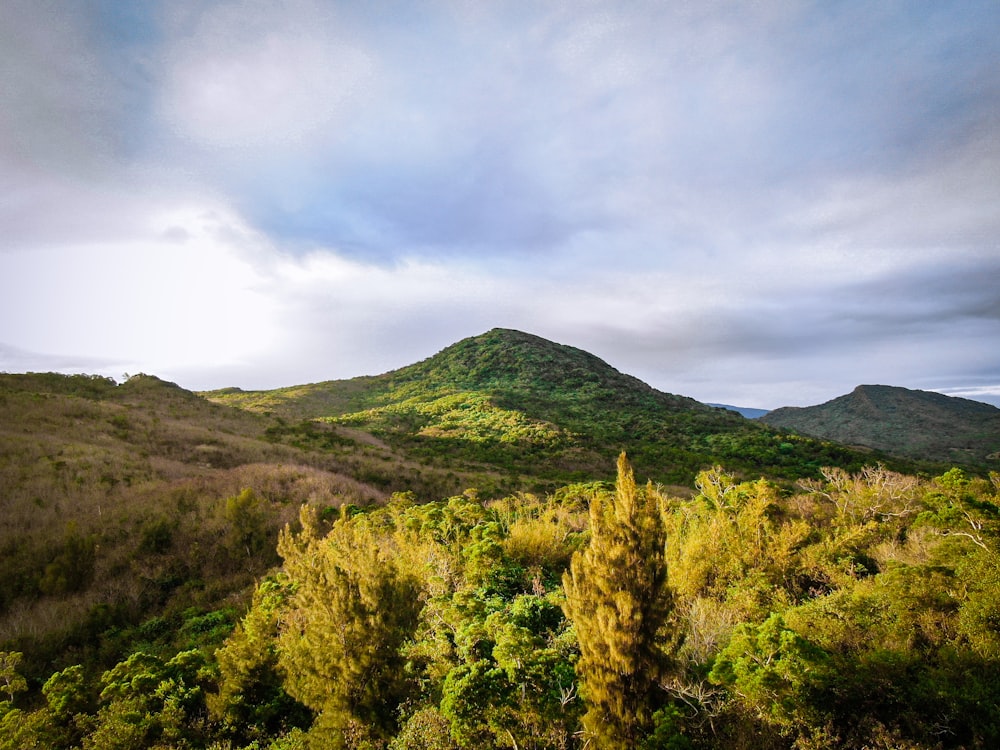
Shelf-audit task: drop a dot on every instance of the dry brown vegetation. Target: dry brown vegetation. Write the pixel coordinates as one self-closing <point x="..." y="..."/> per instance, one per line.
<point x="117" y="501"/>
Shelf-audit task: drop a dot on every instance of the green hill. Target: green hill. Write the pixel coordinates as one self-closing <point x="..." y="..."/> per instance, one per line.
<point x="528" y="406"/>
<point x="902" y="422"/>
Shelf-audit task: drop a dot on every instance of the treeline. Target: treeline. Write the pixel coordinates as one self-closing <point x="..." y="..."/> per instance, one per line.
<point x="857" y="611"/>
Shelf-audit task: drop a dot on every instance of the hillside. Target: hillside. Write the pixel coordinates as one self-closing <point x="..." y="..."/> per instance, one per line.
<point x="902" y="422"/>
<point x="118" y="501"/>
<point x="125" y="501"/>
<point x="529" y="406"/>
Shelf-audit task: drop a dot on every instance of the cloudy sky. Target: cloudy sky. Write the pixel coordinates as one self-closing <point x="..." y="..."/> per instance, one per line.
<point x="756" y="203"/>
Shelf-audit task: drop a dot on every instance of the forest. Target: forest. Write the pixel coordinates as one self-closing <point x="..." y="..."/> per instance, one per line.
<point x="856" y="609"/>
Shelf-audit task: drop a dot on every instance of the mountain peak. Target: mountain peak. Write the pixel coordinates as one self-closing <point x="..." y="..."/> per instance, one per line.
<point x="504" y="358"/>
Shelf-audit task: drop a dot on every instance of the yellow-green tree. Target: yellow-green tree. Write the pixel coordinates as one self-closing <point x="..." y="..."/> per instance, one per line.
<point x="11" y="683"/>
<point x="251" y="703"/>
<point x="618" y="600"/>
<point x="343" y="627"/>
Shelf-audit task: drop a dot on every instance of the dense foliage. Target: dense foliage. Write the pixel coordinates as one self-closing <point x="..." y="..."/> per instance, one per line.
<point x="860" y="611"/>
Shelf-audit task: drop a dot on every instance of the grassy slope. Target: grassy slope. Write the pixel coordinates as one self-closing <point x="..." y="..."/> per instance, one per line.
<point x="903" y="422"/>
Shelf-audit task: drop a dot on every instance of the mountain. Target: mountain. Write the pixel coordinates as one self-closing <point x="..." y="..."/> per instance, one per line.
<point x="527" y="406"/>
<point x="902" y="422"/>
<point x="746" y="411"/>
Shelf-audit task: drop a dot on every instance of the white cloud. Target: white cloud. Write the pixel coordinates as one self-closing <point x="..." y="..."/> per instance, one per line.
<point x="161" y="302"/>
<point x="947" y="199"/>
<point x="289" y="93"/>
<point x="57" y="104"/>
<point x="265" y="76"/>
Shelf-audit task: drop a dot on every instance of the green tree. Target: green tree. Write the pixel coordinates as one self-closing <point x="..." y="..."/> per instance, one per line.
<point x="149" y="702"/>
<point x="252" y="703"/>
<point x="958" y="507"/>
<point x="247" y="533"/>
<point x="516" y="686"/>
<point x="342" y="632"/>
<point x="11" y="682"/>
<point x="728" y="545"/>
<point x="70" y="700"/>
<point x="22" y="730"/>
<point x="73" y="567"/>
<point x="425" y="729"/>
<point x="59" y="724"/>
<point x="774" y="671"/>
<point x="618" y="600"/>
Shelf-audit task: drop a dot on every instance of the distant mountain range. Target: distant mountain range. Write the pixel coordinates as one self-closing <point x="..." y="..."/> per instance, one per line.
<point x="902" y="422"/>
<point x="746" y="411"/>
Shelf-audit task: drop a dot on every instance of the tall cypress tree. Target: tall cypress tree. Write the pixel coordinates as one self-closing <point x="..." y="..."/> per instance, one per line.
<point x="617" y="598"/>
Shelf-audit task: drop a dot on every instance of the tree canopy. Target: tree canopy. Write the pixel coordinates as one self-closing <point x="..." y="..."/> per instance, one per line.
<point x="859" y="610"/>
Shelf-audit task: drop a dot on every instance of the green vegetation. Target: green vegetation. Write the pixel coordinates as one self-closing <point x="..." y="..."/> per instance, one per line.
<point x="444" y="557"/>
<point x="522" y="406"/>
<point x="911" y="424"/>
<point x="139" y="500"/>
<point x="618" y="600"/>
<point x="859" y="611"/>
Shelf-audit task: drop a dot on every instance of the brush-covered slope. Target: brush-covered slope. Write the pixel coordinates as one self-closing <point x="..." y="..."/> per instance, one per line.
<point x="902" y="422"/>
<point x="121" y="501"/>
<point x="530" y="406"/>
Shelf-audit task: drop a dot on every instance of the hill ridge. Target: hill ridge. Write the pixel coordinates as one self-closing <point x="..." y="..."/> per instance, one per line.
<point x="901" y="421"/>
<point x="514" y="400"/>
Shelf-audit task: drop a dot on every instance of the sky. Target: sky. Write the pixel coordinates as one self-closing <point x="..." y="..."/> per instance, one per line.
<point x="753" y="203"/>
